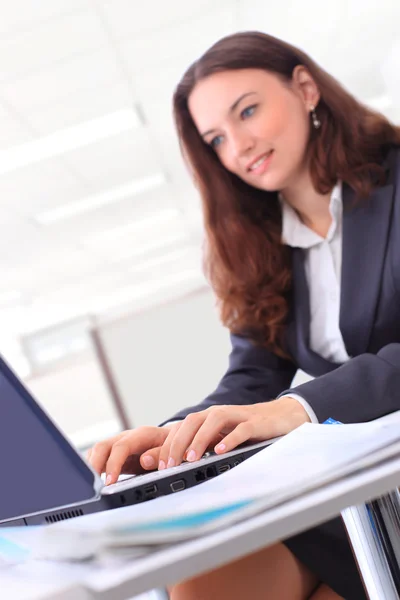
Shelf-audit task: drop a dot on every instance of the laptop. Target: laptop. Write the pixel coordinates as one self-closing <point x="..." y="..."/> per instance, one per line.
<point x="44" y="479"/>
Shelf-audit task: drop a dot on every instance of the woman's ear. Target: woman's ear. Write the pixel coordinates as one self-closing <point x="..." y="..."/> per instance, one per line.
<point x="305" y="86"/>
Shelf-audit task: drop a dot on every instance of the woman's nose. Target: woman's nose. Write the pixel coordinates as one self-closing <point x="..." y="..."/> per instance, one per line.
<point x="242" y="143"/>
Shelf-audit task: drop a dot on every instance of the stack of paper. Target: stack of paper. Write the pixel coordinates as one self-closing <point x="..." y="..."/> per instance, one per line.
<point x="307" y="458"/>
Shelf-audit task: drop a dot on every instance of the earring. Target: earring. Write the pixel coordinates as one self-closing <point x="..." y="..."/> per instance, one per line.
<point x="315" y="120"/>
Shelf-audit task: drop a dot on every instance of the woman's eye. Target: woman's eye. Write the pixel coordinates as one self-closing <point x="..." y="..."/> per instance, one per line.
<point x="247" y="112"/>
<point x="216" y="141"/>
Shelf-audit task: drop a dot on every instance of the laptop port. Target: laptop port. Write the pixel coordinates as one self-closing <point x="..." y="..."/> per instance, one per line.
<point x="149" y="490"/>
<point x="224" y="468"/>
<point x="178" y="486"/>
<point x="211" y="472"/>
<point x="199" y="475"/>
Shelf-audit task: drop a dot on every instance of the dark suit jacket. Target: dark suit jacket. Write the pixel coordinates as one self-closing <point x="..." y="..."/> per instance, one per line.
<point x="367" y="386"/>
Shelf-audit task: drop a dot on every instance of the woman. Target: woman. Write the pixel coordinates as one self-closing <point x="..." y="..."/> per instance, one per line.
<point x="301" y="202"/>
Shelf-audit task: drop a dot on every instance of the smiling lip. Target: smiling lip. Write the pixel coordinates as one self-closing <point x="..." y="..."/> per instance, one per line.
<point x="263" y="165"/>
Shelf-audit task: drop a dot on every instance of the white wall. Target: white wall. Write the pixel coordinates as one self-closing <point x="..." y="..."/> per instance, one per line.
<point x="167" y="357"/>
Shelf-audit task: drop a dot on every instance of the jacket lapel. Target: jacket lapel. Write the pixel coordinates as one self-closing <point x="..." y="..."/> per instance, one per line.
<point x="365" y="236"/>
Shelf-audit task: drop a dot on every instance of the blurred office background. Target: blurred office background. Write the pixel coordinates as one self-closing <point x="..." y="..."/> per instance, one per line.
<point x="104" y="311"/>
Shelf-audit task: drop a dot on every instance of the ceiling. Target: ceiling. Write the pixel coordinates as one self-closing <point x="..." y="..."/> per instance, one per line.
<point x="67" y="62"/>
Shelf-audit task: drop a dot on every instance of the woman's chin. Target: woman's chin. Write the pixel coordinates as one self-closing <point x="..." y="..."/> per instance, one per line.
<point x="269" y="184"/>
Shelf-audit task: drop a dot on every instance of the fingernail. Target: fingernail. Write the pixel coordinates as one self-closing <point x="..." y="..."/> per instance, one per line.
<point x="220" y="448"/>
<point x="148" y="461"/>
<point x="191" y="456"/>
<point x="171" y="462"/>
<point x="161" y="465"/>
<point x="108" y="479"/>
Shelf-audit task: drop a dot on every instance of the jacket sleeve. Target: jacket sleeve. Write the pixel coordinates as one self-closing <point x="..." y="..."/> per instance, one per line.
<point x="254" y="375"/>
<point x="365" y="388"/>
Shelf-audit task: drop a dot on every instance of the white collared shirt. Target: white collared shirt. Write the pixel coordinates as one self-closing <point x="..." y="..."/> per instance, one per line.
<point x="323" y="265"/>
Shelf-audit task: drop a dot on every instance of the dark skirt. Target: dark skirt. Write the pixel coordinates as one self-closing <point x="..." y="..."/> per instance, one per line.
<point x="326" y="551"/>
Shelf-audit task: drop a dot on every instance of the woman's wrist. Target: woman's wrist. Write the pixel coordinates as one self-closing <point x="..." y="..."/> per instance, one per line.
<point x="292" y="412"/>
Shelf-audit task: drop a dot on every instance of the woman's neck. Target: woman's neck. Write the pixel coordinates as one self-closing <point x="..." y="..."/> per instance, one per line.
<point x="311" y="206"/>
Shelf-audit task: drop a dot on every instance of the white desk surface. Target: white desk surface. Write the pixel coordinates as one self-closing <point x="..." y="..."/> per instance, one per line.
<point x="41" y="581"/>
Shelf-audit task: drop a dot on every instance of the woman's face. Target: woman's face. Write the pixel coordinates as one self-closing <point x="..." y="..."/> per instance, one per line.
<point x="257" y="124"/>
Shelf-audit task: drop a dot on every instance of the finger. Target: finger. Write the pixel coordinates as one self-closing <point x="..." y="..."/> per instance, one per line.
<point x="210" y="447"/>
<point x="100" y="453"/>
<point x="242" y="433"/>
<point x="88" y="453"/>
<point x="137" y="441"/>
<point x="216" y="421"/>
<point x="182" y="442"/>
<point x="149" y="460"/>
<point x="164" y="458"/>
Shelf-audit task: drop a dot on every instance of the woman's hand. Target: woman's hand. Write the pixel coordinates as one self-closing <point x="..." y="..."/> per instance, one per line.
<point x="133" y="451"/>
<point x="220" y="427"/>
<point x="233" y="424"/>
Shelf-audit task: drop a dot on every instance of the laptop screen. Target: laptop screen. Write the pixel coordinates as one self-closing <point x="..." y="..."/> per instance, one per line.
<point x="39" y="468"/>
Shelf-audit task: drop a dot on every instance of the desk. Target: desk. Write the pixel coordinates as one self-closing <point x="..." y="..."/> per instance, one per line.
<point x="41" y="581"/>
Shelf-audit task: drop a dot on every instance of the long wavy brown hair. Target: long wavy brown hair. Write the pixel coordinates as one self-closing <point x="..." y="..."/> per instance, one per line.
<point x="245" y="261"/>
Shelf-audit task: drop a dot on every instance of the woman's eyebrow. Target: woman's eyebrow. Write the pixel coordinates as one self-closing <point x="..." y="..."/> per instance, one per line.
<point x="231" y="109"/>
<point x="235" y="104"/>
